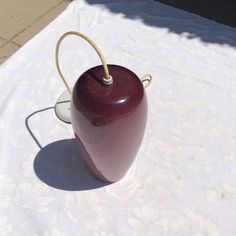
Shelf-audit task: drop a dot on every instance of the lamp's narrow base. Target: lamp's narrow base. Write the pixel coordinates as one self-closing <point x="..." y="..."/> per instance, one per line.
<point x="62" y="107"/>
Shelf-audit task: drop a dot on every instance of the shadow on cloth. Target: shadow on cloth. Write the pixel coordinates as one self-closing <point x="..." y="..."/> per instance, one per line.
<point x="174" y="20"/>
<point x="60" y="164"/>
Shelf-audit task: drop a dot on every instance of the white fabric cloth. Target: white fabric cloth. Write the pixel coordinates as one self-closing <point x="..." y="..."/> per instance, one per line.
<point x="183" y="181"/>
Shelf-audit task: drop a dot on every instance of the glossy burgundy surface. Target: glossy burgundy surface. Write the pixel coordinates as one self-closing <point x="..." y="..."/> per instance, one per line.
<point x="109" y="121"/>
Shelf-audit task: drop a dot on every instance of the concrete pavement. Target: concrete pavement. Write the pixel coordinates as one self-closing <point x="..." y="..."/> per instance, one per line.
<point x="20" y="20"/>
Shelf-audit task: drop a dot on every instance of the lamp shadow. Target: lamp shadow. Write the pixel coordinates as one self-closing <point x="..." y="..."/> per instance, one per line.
<point x="60" y="164"/>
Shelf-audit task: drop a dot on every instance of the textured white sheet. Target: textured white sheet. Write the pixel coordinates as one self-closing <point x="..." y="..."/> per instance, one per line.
<point x="183" y="181"/>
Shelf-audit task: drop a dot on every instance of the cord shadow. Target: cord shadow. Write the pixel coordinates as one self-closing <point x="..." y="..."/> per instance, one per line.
<point x="28" y="126"/>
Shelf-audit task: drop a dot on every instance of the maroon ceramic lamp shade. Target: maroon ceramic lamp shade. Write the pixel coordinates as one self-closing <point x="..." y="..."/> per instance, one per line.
<point x="108" y="112"/>
<point x="109" y="121"/>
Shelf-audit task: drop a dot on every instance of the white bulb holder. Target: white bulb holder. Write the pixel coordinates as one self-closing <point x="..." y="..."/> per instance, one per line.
<point x="62" y="107"/>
